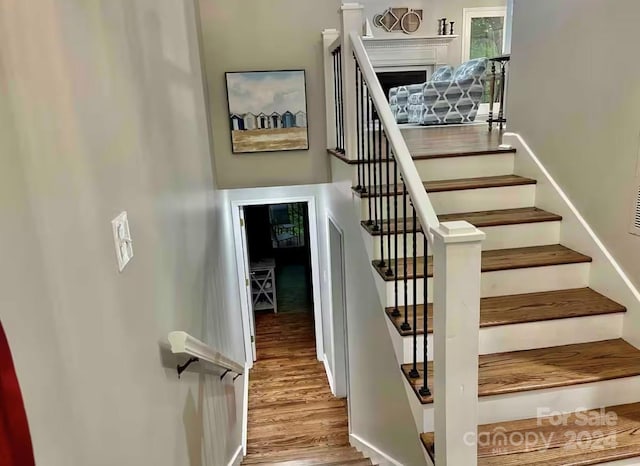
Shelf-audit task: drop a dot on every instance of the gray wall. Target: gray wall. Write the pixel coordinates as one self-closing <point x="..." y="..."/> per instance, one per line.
<point x="575" y="98"/>
<point x="273" y="35"/>
<point x="101" y="110"/>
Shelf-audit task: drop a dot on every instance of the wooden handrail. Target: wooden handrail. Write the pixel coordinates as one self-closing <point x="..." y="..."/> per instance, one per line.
<point x="412" y="180"/>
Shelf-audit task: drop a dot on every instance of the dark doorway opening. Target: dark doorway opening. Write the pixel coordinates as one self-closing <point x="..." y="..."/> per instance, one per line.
<point x="279" y="258"/>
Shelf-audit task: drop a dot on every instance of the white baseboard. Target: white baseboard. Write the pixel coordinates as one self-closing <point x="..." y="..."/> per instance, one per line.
<point x="236" y="459"/>
<point x="327" y="369"/>
<point x="377" y="456"/>
<point x="245" y="408"/>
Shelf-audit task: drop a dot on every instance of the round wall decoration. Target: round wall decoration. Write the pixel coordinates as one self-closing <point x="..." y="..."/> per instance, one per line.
<point x="406" y="20"/>
<point x="410" y="22"/>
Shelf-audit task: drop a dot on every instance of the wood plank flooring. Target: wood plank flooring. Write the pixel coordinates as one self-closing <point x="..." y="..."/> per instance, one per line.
<point x="487" y="218"/>
<point x="611" y="434"/>
<point x="537" y="369"/>
<point x="444" y="141"/>
<point x="293" y="417"/>
<point x="522" y="308"/>
<point x="458" y="184"/>
<point x="494" y="260"/>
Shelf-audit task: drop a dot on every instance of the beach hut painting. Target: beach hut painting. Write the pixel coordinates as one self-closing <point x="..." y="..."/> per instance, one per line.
<point x="267" y="111"/>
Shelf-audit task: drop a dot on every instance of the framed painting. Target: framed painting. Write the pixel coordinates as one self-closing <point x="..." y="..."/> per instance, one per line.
<point x="267" y="111"/>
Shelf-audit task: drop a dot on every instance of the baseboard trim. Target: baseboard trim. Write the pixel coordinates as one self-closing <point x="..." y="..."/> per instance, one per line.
<point x="327" y="369"/>
<point x="236" y="459"/>
<point x="245" y="408"/>
<point x="376" y="455"/>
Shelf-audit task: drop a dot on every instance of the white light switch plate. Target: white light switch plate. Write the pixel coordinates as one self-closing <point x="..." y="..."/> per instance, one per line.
<point x="122" y="240"/>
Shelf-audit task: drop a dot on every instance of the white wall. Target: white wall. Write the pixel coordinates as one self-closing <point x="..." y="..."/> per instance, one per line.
<point x="101" y="110"/>
<point x="379" y="408"/>
<point x="574" y="97"/>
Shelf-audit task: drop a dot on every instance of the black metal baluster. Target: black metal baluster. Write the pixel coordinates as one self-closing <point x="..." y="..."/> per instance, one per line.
<point x="340" y="101"/>
<point x="424" y="390"/>
<point x="362" y="166"/>
<point x="371" y="199"/>
<point x="342" y="104"/>
<point x="396" y="310"/>
<point x="376" y="188"/>
<point x="503" y="79"/>
<point x="389" y="272"/>
<point x="358" y="110"/>
<point x="382" y="263"/>
<point x="405" y="325"/>
<point x="414" y="374"/>
<point x="335" y="95"/>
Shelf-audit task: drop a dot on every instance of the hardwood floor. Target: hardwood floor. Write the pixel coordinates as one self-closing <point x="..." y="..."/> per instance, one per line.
<point x="487" y="218"/>
<point x="497" y="259"/>
<point x="522" y="308"/>
<point x="443" y="141"/>
<point x="499" y="181"/>
<point x="537" y="369"/>
<point x="611" y="434"/>
<point x="293" y="417"/>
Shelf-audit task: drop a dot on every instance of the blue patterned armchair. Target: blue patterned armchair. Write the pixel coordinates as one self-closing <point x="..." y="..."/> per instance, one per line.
<point x="448" y="97"/>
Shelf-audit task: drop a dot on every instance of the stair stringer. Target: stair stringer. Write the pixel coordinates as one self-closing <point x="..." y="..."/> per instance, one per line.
<point x="606" y="276"/>
<point x="370" y="350"/>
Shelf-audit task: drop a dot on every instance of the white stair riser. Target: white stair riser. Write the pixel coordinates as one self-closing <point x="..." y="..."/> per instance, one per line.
<point x="528" y="404"/>
<point x="498" y="237"/>
<point x="453" y="202"/>
<point x="448" y="168"/>
<point x="516" y="337"/>
<point x="504" y="282"/>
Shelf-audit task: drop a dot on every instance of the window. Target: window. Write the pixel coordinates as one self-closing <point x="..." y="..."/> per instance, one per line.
<point x="483" y="32"/>
<point x="483" y="35"/>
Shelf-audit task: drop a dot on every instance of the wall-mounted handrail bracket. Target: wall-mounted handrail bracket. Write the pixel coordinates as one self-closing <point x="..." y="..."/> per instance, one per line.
<point x="225" y="373"/>
<point x="183" y="367"/>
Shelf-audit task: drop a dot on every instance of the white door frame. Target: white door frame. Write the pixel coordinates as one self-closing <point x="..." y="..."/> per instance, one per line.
<point x="243" y="274"/>
<point x="343" y="336"/>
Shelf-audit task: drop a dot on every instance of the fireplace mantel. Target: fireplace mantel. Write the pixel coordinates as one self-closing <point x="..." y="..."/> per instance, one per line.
<point x="391" y="53"/>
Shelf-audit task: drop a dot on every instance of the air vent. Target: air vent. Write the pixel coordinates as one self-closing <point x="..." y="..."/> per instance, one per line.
<point x="635" y="224"/>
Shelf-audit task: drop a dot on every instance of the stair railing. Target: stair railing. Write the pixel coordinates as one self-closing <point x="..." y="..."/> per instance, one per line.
<point x="362" y="129"/>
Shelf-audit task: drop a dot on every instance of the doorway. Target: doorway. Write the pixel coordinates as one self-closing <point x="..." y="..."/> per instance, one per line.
<point x="339" y="344"/>
<point x="278" y="264"/>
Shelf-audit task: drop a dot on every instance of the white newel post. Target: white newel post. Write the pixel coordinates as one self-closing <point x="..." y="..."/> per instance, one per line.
<point x="351" y="22"/>
<point x="329" y="36"/>
<point x="456" y="314"/>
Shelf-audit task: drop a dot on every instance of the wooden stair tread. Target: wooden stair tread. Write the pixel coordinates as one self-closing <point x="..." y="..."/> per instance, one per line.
<point x="522" y="308"/>
<point x="558" y="445"/>
<point x="487" y="218"/>
<point x="536" y="369"/>
<point x="312" y="455"/>
<point x="457" y="185"/>
<point x="499" y="259"/>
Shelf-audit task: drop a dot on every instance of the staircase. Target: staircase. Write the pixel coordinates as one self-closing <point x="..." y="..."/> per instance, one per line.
<point x="522" y="287"/>
<point x="546" y="338"/>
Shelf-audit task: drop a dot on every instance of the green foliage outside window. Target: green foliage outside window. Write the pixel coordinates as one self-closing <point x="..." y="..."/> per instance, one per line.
<point x="486" y="41"/>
